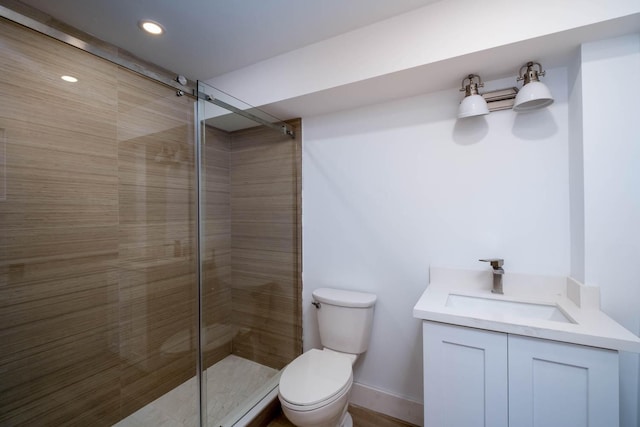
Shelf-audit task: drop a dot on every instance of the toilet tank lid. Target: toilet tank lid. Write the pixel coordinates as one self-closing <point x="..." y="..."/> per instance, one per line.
<point x="344" y="298"/>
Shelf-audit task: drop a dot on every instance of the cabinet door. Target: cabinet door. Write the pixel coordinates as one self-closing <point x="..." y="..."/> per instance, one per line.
<point x="465" y="377"/>
<point x="554" y="384"/>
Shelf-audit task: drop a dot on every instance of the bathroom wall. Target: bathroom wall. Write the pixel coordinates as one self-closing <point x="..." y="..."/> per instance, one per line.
<point x="393" y="188"/>
<point x="216" y="254"/>
<point x="265" y="245"/>
<point x="576" y="166"/>
<point x="156" y="299"/>
<point x="252" y="281"/>
<point x="611" y="144"/>
<point x="96" y="198"/>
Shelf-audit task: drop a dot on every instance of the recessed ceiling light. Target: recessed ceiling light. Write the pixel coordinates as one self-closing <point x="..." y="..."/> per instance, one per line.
<point x="151" y="27"/>
<point x="69" y="79"/>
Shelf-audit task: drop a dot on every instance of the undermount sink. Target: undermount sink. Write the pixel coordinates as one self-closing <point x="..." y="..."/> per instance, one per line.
<point x="507" y="308"/>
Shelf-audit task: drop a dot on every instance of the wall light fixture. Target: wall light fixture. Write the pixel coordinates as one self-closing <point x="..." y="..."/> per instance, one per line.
<point x="472" y="104"/>
<point x="534" y="94"/>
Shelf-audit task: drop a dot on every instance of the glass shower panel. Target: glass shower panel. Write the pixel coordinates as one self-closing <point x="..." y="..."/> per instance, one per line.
<point x="250" y="253"/>
<point x="59" y="327"/>
<point x="158" y="297"/>
<point x="98" y="295"/>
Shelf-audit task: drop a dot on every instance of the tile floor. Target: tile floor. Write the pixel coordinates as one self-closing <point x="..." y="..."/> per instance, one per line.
<point x="229" y="383"/>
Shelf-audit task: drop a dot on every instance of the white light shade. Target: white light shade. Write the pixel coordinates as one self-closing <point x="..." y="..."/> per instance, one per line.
<point x="532" y="96"/>
<point x="472" y="105"/>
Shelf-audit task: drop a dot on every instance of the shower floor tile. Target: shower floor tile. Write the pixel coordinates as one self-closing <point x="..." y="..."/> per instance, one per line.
<point x="229" y="383"/>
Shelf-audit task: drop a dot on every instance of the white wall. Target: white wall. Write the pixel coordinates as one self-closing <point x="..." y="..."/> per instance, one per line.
<point x="576" y="168"/>
<point x="390" y="189"/>
<point x="611" y="146"/>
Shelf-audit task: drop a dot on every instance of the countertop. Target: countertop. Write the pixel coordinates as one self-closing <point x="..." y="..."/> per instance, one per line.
<point x="581" y="304"/>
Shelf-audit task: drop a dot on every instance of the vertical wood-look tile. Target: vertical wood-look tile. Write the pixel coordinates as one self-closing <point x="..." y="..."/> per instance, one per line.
<point x="265" y="245"/>
<point x="58" y="235"/>
<point x="156" y="200"/>
<point x="216" y="256"/>
<point x="97" y="269"/>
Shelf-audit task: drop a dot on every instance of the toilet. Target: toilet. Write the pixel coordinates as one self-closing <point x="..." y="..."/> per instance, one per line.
<point x="314" y="388"/>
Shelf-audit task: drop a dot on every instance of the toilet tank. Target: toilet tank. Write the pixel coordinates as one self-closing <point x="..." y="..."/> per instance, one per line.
<point x="344" y="319"/>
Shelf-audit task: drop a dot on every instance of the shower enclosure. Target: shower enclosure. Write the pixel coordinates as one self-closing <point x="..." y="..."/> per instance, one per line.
<point x="149" y="245"/>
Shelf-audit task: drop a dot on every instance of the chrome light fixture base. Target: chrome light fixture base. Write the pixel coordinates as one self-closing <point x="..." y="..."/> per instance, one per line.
<point x="501" y="99"/>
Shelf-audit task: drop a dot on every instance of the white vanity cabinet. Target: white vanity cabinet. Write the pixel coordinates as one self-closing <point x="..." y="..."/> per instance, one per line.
<point x="465" y="376"/>
<point x="475" y="377"/>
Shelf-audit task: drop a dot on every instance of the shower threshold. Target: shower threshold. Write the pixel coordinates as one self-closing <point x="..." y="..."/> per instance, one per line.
<point x="235" y="386"/>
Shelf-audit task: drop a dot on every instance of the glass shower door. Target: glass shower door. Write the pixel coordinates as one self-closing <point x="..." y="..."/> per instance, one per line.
<point x="250" y="253"/>
<point x="97" y="240"/>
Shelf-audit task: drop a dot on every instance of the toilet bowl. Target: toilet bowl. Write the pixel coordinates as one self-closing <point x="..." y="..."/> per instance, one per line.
<point x="314" y="389"/>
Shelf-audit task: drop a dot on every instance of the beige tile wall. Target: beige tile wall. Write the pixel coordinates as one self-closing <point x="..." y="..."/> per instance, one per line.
<point x="266" y="245"/>
<point x="216" y="256"/>
<point x="252" y="244"/>
<point x="156" y="264"/>
<point x="91" y="283"/>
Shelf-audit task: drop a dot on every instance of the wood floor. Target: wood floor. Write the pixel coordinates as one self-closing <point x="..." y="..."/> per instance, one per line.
<point x="361" y="418"/>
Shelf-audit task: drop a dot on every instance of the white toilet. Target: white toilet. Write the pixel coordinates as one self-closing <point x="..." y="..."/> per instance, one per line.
<point x="314" y="388"/>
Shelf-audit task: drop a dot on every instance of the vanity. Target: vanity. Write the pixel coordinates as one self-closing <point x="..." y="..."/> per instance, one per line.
<point x="541" y="354"/>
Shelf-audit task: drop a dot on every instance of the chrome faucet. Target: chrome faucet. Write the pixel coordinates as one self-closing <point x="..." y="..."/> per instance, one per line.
<point x="498" y="271"/>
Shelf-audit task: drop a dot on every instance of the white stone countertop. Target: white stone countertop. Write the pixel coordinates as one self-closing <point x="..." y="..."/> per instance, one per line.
<point x="580" y="303"/>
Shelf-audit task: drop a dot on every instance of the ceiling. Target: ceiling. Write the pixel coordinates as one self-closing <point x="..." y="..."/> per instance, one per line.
<point x="205" y="39"/>
<point x="208" y="38"/>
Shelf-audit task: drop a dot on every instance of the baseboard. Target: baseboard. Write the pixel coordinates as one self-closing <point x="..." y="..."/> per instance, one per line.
<point x="386" y="403"/>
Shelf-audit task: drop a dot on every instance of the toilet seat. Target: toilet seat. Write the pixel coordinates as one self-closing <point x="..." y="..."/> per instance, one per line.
<point x="315" y="379"/>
